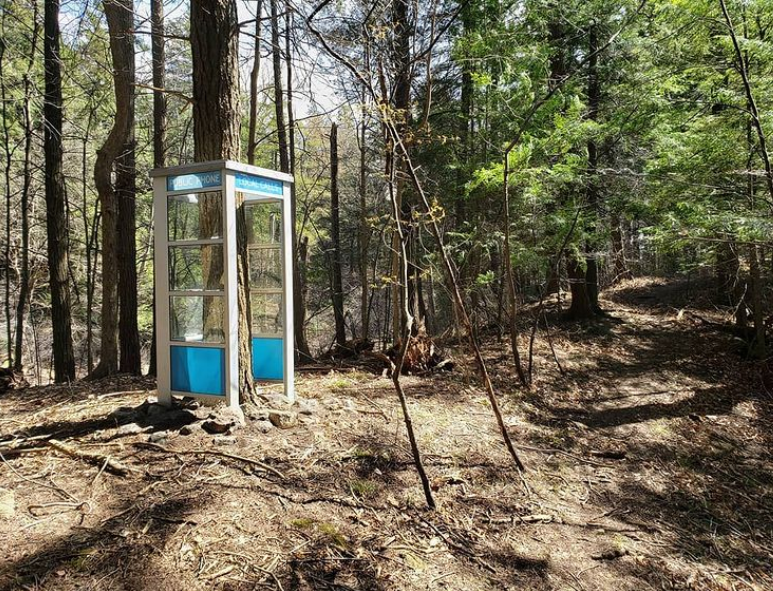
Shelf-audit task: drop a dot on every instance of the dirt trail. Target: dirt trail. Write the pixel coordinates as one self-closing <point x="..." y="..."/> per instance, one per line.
<point x="649" y="468"/>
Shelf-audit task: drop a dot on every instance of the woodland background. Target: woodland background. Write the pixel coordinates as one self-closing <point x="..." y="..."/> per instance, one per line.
<point x="562" y="146"/>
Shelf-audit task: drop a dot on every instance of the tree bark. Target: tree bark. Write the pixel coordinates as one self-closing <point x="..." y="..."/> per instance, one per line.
<point x="364" y="234"/>
<point x="126" y="195"/>
<point x="758" y="349"/>
<point x="581" y="306"/>
<point x="215" y="51"/>
<point x="335" y="231"/>
<point x="8" y="153"/>
<point x="56" y="201"/>
<point x="119" y="15"/>
<point x="158" y="53"/>
<point x="594" y="99"/>
<point x="511" y="292"/>
<point x="254" y="78"/>
<point x="286" y="164"/>
<point x="401" y="103"/>
<point x="24" y="278"/>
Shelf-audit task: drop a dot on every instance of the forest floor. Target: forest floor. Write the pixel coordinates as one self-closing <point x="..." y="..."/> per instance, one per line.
<point x="649" y="466"/>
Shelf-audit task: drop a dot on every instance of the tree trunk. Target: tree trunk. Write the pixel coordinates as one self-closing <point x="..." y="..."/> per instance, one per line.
<point x="158" y="53"/>
<point x="24" y="278"/>
<point x="758" y="349"/>
<point x="581" y="306"/>
<point x="254" y="78"/>
<point x="56" y="206"/>
<point x="594" y="99"/>
<point x="215" y="51"/>
<point x="335" y="231"/>
<point x="364" y="234"/>
<point x="8" y="153"/>
<point x="510" y="278"/>
<point x="286" y="164"/>
<point x="126" y="195"/>
<point x="119" y="14"/>
<point x="401" y="103"/>
<point x="618" y="250"/>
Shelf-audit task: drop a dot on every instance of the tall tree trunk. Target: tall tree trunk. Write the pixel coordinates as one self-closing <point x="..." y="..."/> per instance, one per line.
<point x="401" y="102"/>
<point x="584" y="282"/>
<point x="364" y="233"/>
<point x="335" y="231"/>
<point x="158" y="52"/>
<point x="286" y="164"/>
<point x="119" y="14"/>
<point x="299" y="264"/>
<point x="24" y="278"/>
<point x="215" y="48"/>
<point x="276" y="54"/>
<point x="594" y="99"/>
<point x="618" y="249"/>
<point x="56" y="206"/>
<point x="758" y="349"/>
<point x="126" y="195"/>
<point x="8" y="153"/>
<point x="254" y="78"/>
<point x="510" y="276"/>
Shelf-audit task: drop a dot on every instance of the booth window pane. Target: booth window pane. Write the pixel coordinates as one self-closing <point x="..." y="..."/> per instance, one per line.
<point x="266" y="313"/>
<point x="265" y="267"/>
<point x="196" y="267"/>
<point x="195" y="216"/>
<point x="264" y="223"/>
<point x="197" y="319"/>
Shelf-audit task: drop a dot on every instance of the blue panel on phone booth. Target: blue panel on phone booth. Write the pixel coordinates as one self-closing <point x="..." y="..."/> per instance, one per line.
<point x="198" y="370"/>
<point x="267" y="359"/>
<point x="195" y="180"/>
<point x="258" y="184"/>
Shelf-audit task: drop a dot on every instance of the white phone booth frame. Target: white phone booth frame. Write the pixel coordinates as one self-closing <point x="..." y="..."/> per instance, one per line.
<point x="211" y="375"/>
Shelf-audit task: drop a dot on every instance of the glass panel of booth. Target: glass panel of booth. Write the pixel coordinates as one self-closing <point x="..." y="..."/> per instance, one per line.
<point x="195" y="216"/>
<point x="266" y="313"/>
<point x="196" y="265"/>
<point x="196" y="318"/>
<point x="264" y="239"/>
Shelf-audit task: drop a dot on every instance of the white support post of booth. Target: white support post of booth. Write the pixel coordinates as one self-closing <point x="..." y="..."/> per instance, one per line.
<point x="288" y="346"/>
<point x="231" y="293"/>
<point x="161" y="274"/>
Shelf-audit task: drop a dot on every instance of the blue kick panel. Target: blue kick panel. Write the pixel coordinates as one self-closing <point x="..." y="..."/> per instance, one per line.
<point x="258" y="184"/>
<point x="267" y="359"/>
<point x="198" y="370"/>
<point x="198" y="180"/>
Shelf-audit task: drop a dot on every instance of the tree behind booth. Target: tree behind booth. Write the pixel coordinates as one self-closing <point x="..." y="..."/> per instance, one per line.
<point x="216" y="118"/>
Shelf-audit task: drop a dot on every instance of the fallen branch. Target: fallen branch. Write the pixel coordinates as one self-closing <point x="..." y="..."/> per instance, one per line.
<point x="99" y="460"/>
<point x="209" y="452"/>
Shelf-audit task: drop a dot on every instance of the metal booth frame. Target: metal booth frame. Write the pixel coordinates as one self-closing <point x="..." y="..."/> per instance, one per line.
<point x="198" y="366"/>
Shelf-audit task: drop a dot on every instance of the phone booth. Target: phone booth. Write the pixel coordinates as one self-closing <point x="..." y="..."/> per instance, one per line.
<point x="196" y="278"/>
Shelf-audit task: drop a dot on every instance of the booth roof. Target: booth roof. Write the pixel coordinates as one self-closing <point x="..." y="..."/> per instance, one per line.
<point x="221" y="165"/>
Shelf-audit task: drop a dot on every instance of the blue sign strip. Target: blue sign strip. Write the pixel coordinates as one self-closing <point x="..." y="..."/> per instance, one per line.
<point x="199" y="180"/>
<point x="258" y="184"/>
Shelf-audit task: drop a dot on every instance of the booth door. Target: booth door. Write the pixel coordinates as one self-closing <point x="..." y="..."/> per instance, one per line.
<point x="264" y="239"/>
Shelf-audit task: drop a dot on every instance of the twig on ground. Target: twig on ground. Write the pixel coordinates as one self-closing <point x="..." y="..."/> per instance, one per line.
<point x="210" y="452"/>
<point x="111" y="465"/>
